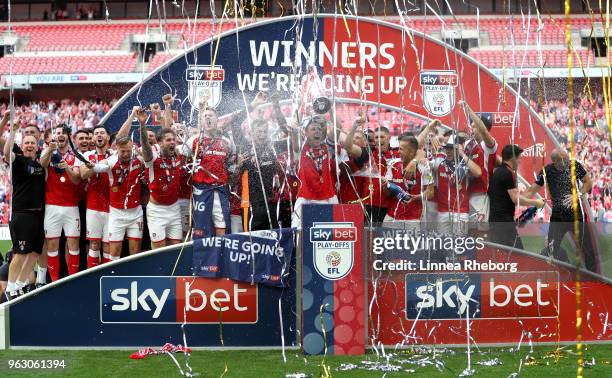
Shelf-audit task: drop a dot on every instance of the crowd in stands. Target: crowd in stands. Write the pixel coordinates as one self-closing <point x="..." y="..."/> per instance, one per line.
<point x="591" y="136"/>
<point x="592" y="145"/>
<point x="77" y="115"/>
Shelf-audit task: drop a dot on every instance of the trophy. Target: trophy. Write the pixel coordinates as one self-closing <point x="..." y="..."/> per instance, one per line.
<point x="314" y="98"/>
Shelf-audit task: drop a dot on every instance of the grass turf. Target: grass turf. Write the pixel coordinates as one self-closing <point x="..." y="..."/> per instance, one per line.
<point x="4" y="246"/>
<point x="540" y="363"/>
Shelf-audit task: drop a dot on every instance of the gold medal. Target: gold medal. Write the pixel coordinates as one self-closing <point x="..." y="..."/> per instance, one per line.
<point x="165" y="187"/>
<point x="62" y="179"/>
<point x="115" y="189"/>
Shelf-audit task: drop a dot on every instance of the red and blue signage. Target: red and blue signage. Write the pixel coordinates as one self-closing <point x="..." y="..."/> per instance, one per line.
<point x="358" y="59"/>
<point x="137" y="302"/>
<point x="150" y="300"/>
<point x="499" y="295"/>
<point x="333" y="281"/>
<point x="538" y="300"/>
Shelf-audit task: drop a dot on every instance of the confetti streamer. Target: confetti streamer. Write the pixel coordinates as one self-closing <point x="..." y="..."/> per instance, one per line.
<point x="572" y="122"/>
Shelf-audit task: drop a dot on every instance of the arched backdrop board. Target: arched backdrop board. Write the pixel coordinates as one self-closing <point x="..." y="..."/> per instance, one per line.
<point x="397" y="68"/>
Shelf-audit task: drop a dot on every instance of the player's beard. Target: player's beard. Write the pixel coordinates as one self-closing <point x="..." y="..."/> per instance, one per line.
<point x="168" y="152"/>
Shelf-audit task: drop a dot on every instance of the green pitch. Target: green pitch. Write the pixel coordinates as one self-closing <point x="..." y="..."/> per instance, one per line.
<point x="4" y="246"/>
<point x="451" y="362"/>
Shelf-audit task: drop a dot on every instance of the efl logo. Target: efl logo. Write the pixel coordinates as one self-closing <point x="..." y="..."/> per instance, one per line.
<point x="438" y="91"/>
<point x="498" y="295"/>
<point x="333" y="245"/>
<point x="127" y="299"/>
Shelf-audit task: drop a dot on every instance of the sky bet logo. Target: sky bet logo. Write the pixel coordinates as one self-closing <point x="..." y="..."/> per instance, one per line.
<point x="331" y="232"/>
<point x="499" y="119"/>
<point x="172" y="299"/>
<point x="448" y="78"/>
<point x="486" y="295"/>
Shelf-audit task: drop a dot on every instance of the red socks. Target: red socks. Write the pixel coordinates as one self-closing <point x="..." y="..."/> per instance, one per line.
<point x="53" y="265"/>
<point x="93" y="258"/>
<point x="106" y="257"/>
<point x="73" y="262"/>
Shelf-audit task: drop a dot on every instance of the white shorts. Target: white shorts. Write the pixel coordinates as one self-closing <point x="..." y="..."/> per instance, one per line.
<point x="453" y="223"/>
<point x="58" y="218"/>
<point x="217" y="212"/>
<point x="122" y="221"/>
<point x="296" y="217"/>
<point x="164" y="222"/>
<point x="184" y="204"/>
<point x="479" y="211"/>
<point x="97" y="225"/>
<point x="402" y="224"/>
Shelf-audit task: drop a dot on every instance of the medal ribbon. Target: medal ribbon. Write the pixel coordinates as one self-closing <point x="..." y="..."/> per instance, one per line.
<point x="164" y="165"/>
<point x="317" y="155"/>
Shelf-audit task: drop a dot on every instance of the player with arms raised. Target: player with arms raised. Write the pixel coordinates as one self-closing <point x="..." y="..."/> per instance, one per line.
<point x="61" y="198"/>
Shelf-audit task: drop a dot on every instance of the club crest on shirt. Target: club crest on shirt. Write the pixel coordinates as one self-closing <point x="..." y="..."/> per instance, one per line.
<point x="204" y="81"/>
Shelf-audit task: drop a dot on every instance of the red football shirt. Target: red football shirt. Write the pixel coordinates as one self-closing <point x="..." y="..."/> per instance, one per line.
<point x="60" y="191"/>
<point x="125" y="179"/>
<point x="289" y="184"/>
<point x="211" y="159"/>
<point x="490" y="157"/>
<point x="98" y="185"/>
<point x="185" y="185"/>
<point x="480" y="184"/>
<point x="316" y="173"/>
<point x="164" y="178"/>
<point x="350" y="186"/>
<point x="452" y="194"/>
<point x="414" y="184"/>
<point x="372" y="187"/>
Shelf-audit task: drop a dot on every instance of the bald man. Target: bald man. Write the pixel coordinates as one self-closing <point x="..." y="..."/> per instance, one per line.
<point x="558" y="177"/>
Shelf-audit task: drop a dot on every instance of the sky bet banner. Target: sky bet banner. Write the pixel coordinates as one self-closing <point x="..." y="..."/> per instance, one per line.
<point x="258" y="256"/>
<point x="333" y="283"/>
<point x="138" y="302"/>
<point x="426" y="288"/>
<point x="356" y="58"/>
